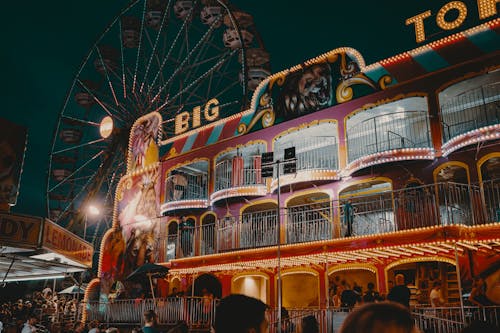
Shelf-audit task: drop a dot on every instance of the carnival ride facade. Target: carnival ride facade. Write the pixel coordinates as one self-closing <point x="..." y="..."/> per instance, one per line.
<point x="376" y="170"/>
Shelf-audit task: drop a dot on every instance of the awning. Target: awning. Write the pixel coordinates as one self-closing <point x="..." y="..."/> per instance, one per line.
<point x="34" y="248"/>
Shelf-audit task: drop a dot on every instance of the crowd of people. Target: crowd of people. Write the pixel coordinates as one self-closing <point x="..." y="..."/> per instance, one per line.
<point x="39" y="312"/>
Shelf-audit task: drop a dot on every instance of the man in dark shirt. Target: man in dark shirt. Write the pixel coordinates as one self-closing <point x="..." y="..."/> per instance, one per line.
<point x="400" y="293"/>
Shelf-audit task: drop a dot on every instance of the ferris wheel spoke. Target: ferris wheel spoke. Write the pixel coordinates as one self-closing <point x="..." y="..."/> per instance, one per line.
<point x="122" y="56"/>
<point x="81" y="167"/>
<point x="77" y="146"/>
<point x="153" y="51"/>
<point x="78" y="121"/>
<point x="220" y="62"/>
<point x="186" y="59"/>
<point x="172" y="46"/>
<point x="97" y="100"/>
<point x="139" y="46"/>
<point x="107" y="75"/>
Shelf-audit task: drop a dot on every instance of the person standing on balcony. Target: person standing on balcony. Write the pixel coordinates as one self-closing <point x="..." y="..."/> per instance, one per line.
<point x="186" y="229"/>
<point x="349" y="211"/>
<point x="400" y="293"/>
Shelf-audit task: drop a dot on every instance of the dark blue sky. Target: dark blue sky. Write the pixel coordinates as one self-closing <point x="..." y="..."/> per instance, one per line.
<point x="44" y="42"/>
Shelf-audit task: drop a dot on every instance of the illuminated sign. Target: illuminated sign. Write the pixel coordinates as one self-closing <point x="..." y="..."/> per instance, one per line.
<point x="62" y="241"/>
<point x="183" y="119"/>
<point x="486" y="9"/>
<point x="19" y="230"/>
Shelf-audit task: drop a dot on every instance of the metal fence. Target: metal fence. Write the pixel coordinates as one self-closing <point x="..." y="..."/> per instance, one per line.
<point x="225" y="176"/>
<point x="437" y="204"/>
<point x="471" y="110"/>
<point x="398" y="130"/>
<point x="197" y="312"/>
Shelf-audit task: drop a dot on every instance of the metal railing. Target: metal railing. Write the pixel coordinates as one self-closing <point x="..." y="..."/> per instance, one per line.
<point x="249" y="174"/>
<point x="452" y="320"/>
<point x="197" y="312"/>
<point x="182" y="186"/>
<point x="471" y="110"/>
<point x="430" y="205"/>
<point x="311" y="153"/>
<point x="398" y="130"/>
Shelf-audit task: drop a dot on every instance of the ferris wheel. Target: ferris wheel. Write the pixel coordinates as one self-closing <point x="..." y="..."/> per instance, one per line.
<point x="156" y="55"/>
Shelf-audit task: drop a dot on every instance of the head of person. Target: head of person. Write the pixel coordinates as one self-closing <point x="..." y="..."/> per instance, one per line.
<point x="310" y="325"/>
<point x="370" y="286"/>
<point x="241" y="314"/>
<point x="32" y="320"/>
<point x="93" y="324"/>
<point x="436" y="285"/>
<point x="149" y="317"/>
<point x="112" y="330"/>
<point x="400" y="279"/>
<point x="384" y="317"/>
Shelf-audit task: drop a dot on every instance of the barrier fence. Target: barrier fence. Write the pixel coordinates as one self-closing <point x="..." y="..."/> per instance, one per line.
<point x="199" y="314"/>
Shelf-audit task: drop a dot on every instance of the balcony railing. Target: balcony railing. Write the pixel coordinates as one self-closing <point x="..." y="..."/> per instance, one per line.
<point x="398" y="130"/>
<point x="471" y="110"/>
<point x="416" y="207"/>
<point x="247" y="176"/>
<point x="312" y="153"/>
<point x="181" y="187"/>
<point x="199" y="314"/>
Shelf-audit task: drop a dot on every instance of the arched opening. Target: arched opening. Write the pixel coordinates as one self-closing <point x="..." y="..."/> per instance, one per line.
<point x="490" y="181"/>
<point x="187" y="236"/>
<point x="416" y="206"/>
<point x="171" y="247"/>
<point x="207" y="283"/>
<point x="253" y="285"/>
<point x="300" y="289"/>
<point x="356" y="279"/>
<point x="309" y="218"/>
<point x="366" y="208"/>
<point x="420" y="276"/>
<point x="207" y="241"/>
<point x="454" y="193"/>
<point x="259" y="225"/>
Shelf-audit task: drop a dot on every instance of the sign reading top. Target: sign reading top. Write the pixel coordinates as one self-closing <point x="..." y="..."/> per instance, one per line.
<point x="20" y="230"/>
<point x="60" y="240"/>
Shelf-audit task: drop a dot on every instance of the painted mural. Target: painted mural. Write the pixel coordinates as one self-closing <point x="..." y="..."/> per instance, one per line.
<point x="132" y="242"/>
<point x="143" y="146"/>
<point x="480" y="276"/>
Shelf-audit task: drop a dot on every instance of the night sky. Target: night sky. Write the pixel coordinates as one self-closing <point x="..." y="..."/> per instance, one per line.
<point x="44" y="42"/>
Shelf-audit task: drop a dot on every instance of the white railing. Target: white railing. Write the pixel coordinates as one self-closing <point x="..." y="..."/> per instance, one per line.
<point x="249" y="174"/>
<point x="197" y="312"/>
<point x="471" y="110"/>
<point x="438" y="204"/>
<point x="182" y="186"/>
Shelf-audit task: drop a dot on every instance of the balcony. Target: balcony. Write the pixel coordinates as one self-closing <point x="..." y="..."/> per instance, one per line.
<point x="440" y="204"/>
<point x="185" y="191"/>
<point x="238" y="177"/>
<point x="388" y="137"/>
<point x="470" y="117"/>
<point x="316" y="160"/>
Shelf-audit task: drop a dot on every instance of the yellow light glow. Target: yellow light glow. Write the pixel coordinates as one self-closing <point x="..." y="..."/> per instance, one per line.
<point x="106" y="127"/>
<point x="462" y="14"/>
<point x="418" y="20"/>
<point x="487" y="8"/>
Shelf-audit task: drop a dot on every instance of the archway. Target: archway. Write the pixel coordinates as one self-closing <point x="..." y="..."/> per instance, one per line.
<point x="300" y="288"/>
<point x="208" y="282"/>
<point x="366" y="207"/>
<point x="259" y="225"/>
<point x="489" y="175"/>
<point x="253" y="284"/>
<point x="421" y="273"/>
<point x="355" y="277"/>
<point x="454" y="193"/>
<point x="309" y="217"/>
<point x="207" y="241"/>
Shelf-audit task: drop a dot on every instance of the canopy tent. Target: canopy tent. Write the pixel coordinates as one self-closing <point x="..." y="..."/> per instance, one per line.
<point x="33" y="248"/>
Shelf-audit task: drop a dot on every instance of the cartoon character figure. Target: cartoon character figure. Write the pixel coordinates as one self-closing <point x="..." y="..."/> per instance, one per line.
<point x="143" y="142"/>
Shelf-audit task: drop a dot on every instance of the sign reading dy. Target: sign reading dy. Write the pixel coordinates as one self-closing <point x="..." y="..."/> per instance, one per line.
<point x="486" y="9"/>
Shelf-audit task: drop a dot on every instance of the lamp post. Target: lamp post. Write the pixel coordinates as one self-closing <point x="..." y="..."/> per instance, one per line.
<point x="289" y="163"/>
